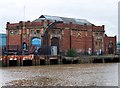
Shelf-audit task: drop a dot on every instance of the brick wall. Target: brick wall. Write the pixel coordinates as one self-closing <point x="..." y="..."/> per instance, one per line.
<point x="107" y="40"/>
<point x="82" y="36"/>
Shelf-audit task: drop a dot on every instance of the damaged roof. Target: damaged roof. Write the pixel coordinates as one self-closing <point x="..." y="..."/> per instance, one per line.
<point x="63" y="19"/>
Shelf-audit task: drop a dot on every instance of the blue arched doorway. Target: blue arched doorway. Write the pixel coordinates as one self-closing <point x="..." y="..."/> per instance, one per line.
<point x="36" y="44"/>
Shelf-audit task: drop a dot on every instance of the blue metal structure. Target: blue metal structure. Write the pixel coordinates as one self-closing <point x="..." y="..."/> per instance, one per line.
<point x="2" y="40"/>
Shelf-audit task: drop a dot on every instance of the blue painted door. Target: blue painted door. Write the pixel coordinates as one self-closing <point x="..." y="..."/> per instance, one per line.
<point x="36" y="42"/>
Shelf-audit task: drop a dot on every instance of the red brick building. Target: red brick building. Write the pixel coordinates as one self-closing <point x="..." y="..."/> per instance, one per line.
<point x="65" y="33"/>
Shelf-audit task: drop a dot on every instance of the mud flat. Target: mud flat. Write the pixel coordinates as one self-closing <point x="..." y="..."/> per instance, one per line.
<point x="61" y="75"/>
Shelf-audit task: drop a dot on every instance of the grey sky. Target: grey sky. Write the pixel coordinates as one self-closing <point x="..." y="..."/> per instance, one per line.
<point x="98" y="12"/>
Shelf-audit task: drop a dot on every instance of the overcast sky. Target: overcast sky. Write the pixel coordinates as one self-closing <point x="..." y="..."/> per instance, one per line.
<point x="98" y="12"/>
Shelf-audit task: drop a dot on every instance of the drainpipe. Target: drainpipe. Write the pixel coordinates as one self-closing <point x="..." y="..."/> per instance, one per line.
<point x="70" y="34"/>
<point x="85" y="38"/>
<point x="92" y="40"/>
<point x="21" y="25"/>
<point x="7" y="36"/>
<point x="85" y="42"/>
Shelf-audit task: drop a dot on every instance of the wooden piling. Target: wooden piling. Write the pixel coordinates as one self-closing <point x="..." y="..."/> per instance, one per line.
<point x="47" y="60"/>
<point x="59" y="60"/>
<point x="37" y="60"/>
<point x="7" y="62"/>
<point x="4" y="61"/>
<point x="21" y="61"/>
<point x="103" y="60"/>
<point x="33" y="62"/>
<point x="18" y="62"/>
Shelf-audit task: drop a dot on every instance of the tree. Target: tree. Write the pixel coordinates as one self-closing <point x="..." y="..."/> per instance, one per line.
<point x="72" y="53"/>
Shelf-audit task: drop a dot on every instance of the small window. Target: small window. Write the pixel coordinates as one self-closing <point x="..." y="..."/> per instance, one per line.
<point x="11" y="32"/>
<point x="32" y="32"/>
<point x="16" y="32"/>
<point x="38" y="31"/>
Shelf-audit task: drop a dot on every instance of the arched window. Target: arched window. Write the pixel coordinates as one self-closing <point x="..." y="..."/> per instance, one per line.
<point x="24" y="46"/>
<point x="110" y="48"/>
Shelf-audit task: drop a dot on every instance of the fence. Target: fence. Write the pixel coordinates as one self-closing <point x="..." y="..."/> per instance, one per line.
<point x="17" y="50"/>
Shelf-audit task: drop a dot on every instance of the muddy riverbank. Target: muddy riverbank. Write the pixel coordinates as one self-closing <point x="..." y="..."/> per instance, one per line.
<point x="61" y="75"/>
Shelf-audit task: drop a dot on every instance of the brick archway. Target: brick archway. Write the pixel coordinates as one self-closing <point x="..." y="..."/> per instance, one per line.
<point x="55" y="42"/>
<point x="110" y="48"/>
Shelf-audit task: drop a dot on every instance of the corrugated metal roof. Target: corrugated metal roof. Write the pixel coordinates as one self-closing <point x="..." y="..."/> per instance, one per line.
<point x="53" y="18"/>
<point x="82" y="21"/>
<point x="47" y="17"/>
<point x="68" y="20"/>
<point x="63" y="19"/>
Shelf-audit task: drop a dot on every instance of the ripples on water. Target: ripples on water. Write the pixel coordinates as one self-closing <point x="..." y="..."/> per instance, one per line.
<point x="61" y="75"/>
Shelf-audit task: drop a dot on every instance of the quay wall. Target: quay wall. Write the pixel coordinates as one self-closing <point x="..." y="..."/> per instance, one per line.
<point x="35" y="60"/>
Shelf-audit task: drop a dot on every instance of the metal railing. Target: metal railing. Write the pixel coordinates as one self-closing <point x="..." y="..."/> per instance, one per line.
<point x="17" y="50"/>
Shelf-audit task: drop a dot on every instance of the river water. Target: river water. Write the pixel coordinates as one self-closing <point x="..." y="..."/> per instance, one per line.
<point x="61" y="75"/>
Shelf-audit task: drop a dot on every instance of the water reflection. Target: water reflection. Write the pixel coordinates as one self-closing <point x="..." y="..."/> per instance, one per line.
<point x="61" y="75"/>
